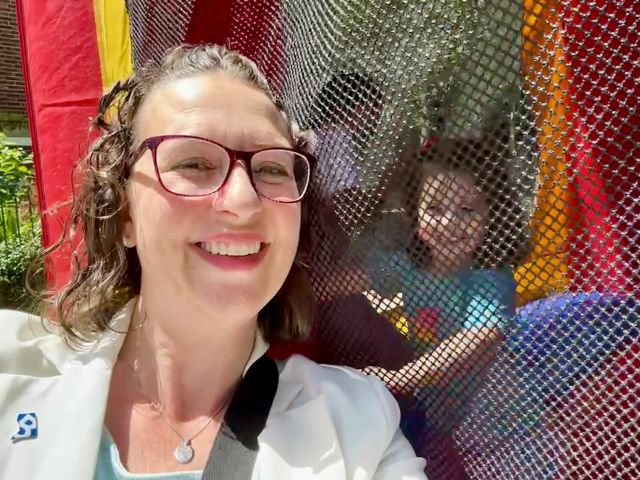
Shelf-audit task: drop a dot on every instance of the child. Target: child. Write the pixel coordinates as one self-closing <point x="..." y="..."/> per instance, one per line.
<point x="457" y="286"/>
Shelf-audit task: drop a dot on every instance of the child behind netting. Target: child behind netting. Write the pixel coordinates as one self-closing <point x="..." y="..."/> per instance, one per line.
<point x="456" y="280"/>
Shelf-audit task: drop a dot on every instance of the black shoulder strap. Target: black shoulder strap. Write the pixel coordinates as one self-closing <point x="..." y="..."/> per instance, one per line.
<point x="234" y="451"/>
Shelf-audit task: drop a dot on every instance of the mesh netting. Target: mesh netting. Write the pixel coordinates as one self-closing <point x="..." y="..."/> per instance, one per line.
<point x="476" y="212"/>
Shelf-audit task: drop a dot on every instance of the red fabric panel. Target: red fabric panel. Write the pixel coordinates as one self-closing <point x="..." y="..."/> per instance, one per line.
<point x="601" y="45"/>
<point x="62" y="78"/>
<point x="256" y="32"/>
<point x="252" y="28"/>
<point x="210" y="22"/>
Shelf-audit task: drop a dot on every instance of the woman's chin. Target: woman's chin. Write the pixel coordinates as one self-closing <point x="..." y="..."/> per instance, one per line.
<point x="237" y="298"/>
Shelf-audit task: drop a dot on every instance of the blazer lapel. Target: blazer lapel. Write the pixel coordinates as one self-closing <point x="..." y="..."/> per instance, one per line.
<point x="299" y="440"/>
<point x="66" y="390"/>
<point x="69" y="423"/>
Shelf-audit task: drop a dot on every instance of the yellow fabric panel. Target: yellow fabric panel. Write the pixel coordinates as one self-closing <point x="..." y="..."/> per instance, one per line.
<point x="114" y="42"/>
<point x="544" y="69"/>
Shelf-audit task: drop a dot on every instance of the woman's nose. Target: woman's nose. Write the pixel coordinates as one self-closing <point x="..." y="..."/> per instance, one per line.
<point x="238" y="196"/>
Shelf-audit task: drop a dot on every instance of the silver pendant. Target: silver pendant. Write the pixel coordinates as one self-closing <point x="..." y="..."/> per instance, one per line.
<point x="184" y="452"/>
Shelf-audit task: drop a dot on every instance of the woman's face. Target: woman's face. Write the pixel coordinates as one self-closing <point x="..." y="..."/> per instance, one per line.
<point x="452" y="216"/>
<point x="174" y="236"/>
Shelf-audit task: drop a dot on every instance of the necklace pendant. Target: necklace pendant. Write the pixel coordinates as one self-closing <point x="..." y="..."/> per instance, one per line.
<point x="184" y="453"/>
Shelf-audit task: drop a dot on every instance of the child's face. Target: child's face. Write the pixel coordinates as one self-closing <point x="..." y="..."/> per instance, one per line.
<point x="452" y="215"/>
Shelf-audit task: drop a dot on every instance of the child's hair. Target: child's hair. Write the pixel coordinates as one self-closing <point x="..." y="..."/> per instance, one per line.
<point x="341" y="95"/>
<point x="483" y="159"/>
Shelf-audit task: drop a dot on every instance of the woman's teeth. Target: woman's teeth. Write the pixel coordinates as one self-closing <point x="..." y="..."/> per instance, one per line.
<point x="235" y="250"/>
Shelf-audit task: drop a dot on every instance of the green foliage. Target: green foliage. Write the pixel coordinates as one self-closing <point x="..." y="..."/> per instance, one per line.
<point x="9" y="221"/>
<point x="16" y="256"/>
<point x="16" y="219"/>
<point x="16" y="170"/>
<point x="18" y="253"/>
<point x="20" y="243"/>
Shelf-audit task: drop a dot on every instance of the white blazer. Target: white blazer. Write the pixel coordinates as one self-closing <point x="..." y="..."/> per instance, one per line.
<point x="326" y="423"/>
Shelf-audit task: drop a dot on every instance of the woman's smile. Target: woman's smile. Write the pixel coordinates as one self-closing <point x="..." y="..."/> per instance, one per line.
<point x="233" y="250"/>
<point x="232" y="256"/>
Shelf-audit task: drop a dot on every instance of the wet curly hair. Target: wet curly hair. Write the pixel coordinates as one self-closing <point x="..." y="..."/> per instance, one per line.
<point x="105" y="274"/>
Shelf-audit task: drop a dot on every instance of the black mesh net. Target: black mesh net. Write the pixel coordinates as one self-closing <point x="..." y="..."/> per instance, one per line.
<point x="477" y="216"/>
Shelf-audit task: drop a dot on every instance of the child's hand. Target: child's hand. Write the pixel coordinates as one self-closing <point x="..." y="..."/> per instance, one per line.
<point x="406" y="380"/>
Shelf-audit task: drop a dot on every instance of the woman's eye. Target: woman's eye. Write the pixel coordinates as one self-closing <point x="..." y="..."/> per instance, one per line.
<point x="271" y="169"/>
<point x="194" y="164"/>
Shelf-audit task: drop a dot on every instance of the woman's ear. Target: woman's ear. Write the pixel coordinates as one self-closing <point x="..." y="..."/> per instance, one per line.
<point x="128" y="229"/>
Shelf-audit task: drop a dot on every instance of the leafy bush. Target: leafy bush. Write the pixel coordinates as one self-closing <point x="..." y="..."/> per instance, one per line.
<point x="17" y="219"/>
<point x="17" y="250"/>
<point x="16" y="171"/>
<point x="16" y="256"/>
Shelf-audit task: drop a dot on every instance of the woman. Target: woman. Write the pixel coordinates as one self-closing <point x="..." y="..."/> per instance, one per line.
<point x="191" y="213"/>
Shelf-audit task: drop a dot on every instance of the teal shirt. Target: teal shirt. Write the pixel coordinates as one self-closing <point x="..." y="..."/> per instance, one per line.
<point x="444" y="305"/>
<point x="438" y="308"/>
<point x="109" y="466"/>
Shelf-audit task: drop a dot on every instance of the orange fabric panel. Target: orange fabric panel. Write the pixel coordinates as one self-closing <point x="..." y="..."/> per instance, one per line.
<point x="544" y="71"/>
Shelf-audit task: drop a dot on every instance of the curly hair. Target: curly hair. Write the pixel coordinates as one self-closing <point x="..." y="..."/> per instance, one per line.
<point x="106" y="274"/>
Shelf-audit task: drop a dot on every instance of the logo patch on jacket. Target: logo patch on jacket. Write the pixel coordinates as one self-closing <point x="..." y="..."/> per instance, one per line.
<point x="27" y="427"/>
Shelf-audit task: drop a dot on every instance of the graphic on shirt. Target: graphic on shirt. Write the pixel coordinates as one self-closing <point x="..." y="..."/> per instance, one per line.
<point x="425" y="325"/>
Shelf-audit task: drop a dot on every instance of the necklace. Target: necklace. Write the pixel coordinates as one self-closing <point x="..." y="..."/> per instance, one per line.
<point x="183" y="453"/>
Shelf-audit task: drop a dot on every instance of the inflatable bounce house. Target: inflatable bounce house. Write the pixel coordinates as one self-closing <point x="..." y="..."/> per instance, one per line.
<point x="476" y="200"/>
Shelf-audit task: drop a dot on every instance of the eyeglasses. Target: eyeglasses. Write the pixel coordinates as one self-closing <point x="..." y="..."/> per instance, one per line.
<point x="191" y="166"/>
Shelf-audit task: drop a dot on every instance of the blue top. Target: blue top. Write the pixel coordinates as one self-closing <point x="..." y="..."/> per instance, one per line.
<point x="467" y="299"/>
<point x="109" y="466"/>
<point x="438" y="307"/>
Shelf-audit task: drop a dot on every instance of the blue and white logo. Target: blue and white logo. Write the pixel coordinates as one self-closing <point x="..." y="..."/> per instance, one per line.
<point x="27" y="427"/>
